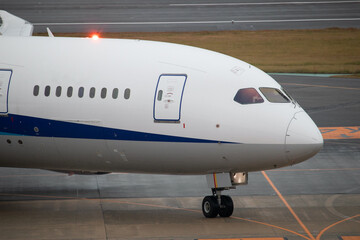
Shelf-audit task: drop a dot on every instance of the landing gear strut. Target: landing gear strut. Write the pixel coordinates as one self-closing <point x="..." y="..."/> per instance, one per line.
<point x="218" y="204"/>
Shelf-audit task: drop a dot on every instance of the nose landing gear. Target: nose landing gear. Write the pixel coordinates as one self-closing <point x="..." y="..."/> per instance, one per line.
<point x="218" y="204"/>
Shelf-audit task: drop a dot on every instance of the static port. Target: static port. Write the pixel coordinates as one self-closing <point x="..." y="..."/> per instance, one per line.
<point x="20" y="142"/>
<point x="8" y="141"/>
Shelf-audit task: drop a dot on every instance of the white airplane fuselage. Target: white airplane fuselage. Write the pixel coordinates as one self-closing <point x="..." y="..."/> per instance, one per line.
<point x="174" y="111"/>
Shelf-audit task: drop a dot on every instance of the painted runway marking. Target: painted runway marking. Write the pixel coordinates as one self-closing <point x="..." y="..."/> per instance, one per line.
<point x="334" y="224"/>
<point x="314" y="170"/>
<point x="318" y="237"/>
<point x="322" y="86"/>
<point x="276" y="238"/>
<point x="350" y="237"/>
<point x="270" y="225"/>
<point x="340" y="132"/>
<point x="149" y="205"/>
<point x="200" y="22"/>
<point x="288" y="206"/>
<point x="260" y="3"/>
<point x="56" y="198"/>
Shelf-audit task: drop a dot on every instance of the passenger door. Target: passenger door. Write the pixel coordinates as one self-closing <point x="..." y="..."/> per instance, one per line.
<point x="168" y="97"/>
<point x="5" y="76"/>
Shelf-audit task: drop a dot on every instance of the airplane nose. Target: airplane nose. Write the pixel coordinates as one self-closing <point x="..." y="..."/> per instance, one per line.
<point x="303" y="138"/>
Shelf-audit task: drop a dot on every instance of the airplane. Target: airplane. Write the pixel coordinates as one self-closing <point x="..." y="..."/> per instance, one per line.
<point x="97" y="106"/>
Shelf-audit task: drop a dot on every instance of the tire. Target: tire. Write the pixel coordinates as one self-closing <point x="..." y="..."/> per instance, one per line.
<point x="210" y="207"/>
<point x="227" y="206"/>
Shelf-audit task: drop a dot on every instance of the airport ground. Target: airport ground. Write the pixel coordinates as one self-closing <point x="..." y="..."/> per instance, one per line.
<point x="317" y="199"/>
<point x="182" y="15"/>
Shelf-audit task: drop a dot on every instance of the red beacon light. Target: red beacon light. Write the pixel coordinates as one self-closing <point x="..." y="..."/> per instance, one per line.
<point x="95" y="36"/>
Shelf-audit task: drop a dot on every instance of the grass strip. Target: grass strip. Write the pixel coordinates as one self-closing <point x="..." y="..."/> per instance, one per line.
<point x="333" y="50"/>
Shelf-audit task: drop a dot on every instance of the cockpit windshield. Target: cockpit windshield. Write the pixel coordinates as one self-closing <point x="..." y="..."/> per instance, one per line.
<point x="288" y="95"/>
<point x="274" y="95"/>
<point x="248" y="96"/>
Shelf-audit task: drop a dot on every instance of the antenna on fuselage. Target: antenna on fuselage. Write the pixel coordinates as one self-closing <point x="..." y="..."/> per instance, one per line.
<point x="49" y="32"/>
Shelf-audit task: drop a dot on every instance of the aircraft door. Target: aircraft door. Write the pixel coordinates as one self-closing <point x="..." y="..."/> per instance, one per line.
<point x="5" y="76"/>
<point x="168" y="97"/>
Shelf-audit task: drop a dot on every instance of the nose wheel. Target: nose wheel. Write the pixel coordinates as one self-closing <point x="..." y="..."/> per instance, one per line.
<point x="210" y="207"/>
<point x="217" y="205"/>
<point x="227" y="206"/>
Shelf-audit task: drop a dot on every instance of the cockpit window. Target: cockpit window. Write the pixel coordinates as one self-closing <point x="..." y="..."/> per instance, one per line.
<point x="274" y="95"/>
<point x="248" y="96"/>
<point x="287" y="94"/>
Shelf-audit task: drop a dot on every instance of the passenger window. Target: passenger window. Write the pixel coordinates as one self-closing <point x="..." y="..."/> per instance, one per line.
<point x="36" y="90"/>
<point x="103" y="93"/>
<point x="58" y="91"/>
<point x="248" y="96"/>
<point x="69" y="91"/>
<point x="81" y="92"/>
<point x="47" y="91"/>
<point x="115" y="93"/>
<point x="160" y="93"/>
<point x="92" y="92"/>
<point x="274" y="95"/>
<point x="127" y="93"/>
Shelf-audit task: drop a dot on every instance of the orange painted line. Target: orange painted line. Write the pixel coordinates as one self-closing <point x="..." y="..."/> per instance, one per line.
<point x="279" y="238"/>
<point x="215" y="181"/>
<point x="150" y="205"/>
<point x="270" y="225"/>
<point x="334" y="224"/>
<point x="340" y="132"/>
<point x="288" y="206"/>
<point x="314" y="170"/>
<point x="350" y="237"/>
<point x="322" y="86"/>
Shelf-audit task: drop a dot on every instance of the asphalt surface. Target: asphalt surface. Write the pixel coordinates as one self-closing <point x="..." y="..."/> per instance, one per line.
<point x="180" y="15"/>
<point x="324" y="191"/>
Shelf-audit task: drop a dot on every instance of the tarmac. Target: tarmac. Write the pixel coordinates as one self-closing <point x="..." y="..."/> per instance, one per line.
<point x="316" y="200"/>
<point x="181" y="15"/>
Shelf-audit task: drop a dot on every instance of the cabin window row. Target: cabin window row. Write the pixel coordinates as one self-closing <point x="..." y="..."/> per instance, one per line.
<point x="70" y="91"/>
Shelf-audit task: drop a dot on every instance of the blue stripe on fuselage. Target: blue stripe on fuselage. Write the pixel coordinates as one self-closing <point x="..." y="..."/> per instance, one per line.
<point x="40" y="127"/>
<point x="9" y="134"/>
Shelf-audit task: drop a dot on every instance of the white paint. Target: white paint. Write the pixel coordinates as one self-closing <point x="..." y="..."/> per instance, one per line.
<point x="201" y="22"/>
<point x="259" y="3"/>
<point x="14" y="26"/>
<point x="251" y="137"/>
